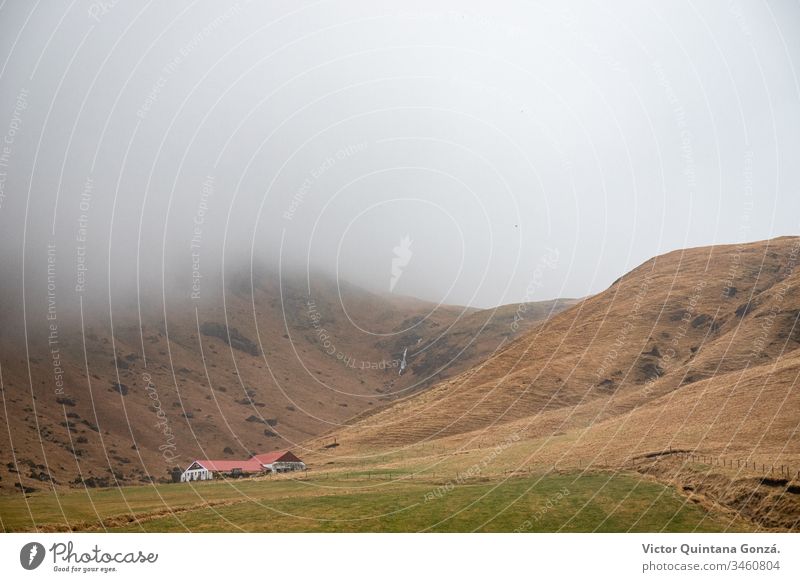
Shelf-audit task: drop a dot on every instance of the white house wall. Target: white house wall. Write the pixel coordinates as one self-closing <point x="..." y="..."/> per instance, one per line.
<point x="197" y="475"/>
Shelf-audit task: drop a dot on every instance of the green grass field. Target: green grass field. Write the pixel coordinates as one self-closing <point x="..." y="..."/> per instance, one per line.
<point x="556" y="502"/>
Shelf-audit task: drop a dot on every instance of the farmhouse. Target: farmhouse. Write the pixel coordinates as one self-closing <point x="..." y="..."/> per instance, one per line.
<point x="275" y="462"/>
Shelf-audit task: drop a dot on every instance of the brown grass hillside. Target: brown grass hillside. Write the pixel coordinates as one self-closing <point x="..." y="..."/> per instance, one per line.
<point x="258" y="371"/>
<point x="685" y="371"/>
<point x="695" y="349"/>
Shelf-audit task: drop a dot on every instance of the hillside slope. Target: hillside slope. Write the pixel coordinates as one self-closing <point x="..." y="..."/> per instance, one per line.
<point x="696" y="348"/>
<point x="272" y="363"/>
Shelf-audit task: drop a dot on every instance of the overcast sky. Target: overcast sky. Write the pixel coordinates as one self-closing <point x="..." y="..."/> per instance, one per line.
<point x="487" y="152"/>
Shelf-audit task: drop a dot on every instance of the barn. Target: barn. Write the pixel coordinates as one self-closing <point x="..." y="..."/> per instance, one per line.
<point x="279" y="462"/>
<point x="275" y="462"/>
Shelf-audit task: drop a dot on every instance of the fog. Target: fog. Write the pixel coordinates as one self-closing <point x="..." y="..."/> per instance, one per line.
<point x="464" y="152"/>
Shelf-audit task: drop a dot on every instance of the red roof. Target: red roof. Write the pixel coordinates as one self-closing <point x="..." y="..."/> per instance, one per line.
<point x="249" y="466"/>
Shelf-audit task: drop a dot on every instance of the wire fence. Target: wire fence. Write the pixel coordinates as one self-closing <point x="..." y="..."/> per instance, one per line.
<point x="773" y="470"/>
<point x="749" y="466"/>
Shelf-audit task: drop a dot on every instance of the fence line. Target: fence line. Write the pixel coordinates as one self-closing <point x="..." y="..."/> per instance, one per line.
<point x="783" y="470"/>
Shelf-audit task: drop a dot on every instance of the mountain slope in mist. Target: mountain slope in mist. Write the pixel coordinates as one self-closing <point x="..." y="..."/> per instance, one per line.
<point x="105" y="400"/>
<point x="696" y="349"/>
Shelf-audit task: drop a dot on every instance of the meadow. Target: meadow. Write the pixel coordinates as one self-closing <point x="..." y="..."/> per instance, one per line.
<point x="369" y="502"/>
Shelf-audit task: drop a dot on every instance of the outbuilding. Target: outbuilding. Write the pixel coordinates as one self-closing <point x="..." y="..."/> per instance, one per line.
<point x="280" y="462"/>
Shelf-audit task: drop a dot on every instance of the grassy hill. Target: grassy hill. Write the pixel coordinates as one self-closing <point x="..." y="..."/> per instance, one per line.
<point x="671" y="329"/>
<point x="124" y="395"/>
<point x="695" y="350"/>
<point x="667" y="402"/>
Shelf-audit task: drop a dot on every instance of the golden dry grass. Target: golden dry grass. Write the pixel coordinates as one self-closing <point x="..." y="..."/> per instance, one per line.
<point x="696" y="350"/>
<point x="207" y="389"/>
